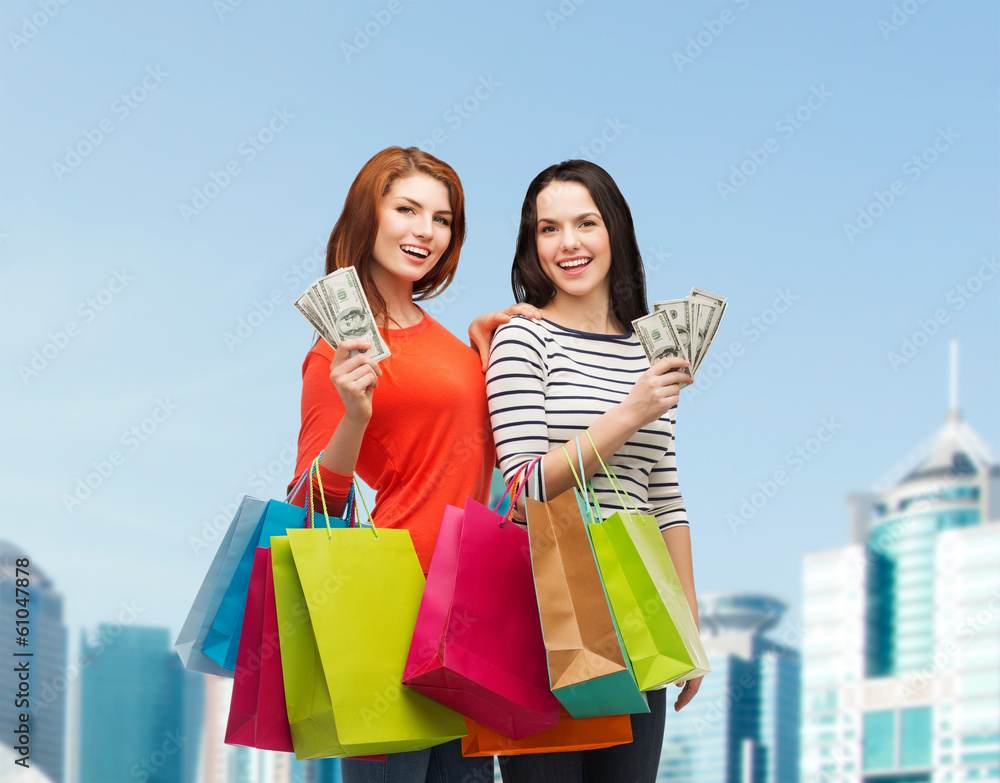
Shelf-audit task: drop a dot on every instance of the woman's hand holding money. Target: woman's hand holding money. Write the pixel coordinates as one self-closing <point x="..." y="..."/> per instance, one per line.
<point x="657" y="391"/>
<point x="355" y="378"/>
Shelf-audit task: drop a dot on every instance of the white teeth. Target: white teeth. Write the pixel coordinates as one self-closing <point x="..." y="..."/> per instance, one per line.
<point x="574" y="264"/>
<point x="417" y="250"/>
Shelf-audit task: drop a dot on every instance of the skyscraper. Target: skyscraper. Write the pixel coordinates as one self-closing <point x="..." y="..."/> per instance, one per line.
<point x="901" y="656"/>
<point x="42" y="607"/>
<point x="137" y="708"/>
<point x="743" y="725"/>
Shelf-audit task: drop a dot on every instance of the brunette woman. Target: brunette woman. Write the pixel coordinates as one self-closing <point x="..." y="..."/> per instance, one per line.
<point x="580" y="368"/>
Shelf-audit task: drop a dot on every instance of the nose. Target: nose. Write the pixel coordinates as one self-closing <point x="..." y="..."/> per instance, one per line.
<point x="570" y="241"/>
<point x="424" y="226"/>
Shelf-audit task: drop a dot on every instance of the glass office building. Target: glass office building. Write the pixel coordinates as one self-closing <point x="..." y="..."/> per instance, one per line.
<point x="139" y="708"/>
<point x="743" y="726"/>
<point x="46" y="643"/>
<point x="901" y="654"/>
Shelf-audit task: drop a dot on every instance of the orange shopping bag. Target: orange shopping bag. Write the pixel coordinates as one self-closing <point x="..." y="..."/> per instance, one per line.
<point x="570" y="734"/>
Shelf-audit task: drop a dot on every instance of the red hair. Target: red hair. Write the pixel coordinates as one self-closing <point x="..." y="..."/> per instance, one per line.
<point x="353" y="237"/>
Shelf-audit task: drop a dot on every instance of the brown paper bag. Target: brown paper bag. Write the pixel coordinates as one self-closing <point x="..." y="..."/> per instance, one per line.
<point x="588" y="670"/>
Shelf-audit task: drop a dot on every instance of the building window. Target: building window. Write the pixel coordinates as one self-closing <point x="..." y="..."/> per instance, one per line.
<point x="915" y="738"/>
<point x="880" y="741"/>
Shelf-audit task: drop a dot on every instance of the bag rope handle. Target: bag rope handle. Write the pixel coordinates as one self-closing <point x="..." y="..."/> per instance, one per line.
<point x="615" y="481"/>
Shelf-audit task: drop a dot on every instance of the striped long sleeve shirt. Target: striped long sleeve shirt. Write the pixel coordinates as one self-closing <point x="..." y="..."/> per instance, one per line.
<point x="547" y="383"/>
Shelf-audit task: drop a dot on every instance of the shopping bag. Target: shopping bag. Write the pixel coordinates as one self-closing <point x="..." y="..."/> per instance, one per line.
<point x="192" y="636"/>
<point x="350" y="598"/>
<point x="222" y="639"/>
<point x="588" y="670"/>
<point x="257" y="716"/>
<point x="569" y="734"/>
<point x="646" y="595"/>
<point x="477" y="646"/>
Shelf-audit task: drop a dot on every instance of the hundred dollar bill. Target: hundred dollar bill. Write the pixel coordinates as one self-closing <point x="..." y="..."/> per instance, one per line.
<point x="679" y="313"/>
<point x="658" y="338"/>
<point x="338" y="309"/>
<point x="711" y="308"/>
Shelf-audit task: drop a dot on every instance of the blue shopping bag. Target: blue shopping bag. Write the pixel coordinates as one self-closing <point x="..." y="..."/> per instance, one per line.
<point x="216" y="642"/>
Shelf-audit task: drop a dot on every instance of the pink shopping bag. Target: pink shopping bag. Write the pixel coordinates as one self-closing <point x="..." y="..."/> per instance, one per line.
<point x="257" y="716"/>
<point x="477" y="646"/>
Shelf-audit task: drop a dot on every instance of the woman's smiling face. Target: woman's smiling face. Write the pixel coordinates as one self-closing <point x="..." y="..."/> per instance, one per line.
<point x="414" y="227"/>
<point x="573" y="244"/>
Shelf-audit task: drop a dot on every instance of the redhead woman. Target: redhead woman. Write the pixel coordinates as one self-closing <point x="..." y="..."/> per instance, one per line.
<point x="416" y="426"/>
<point x="580" y="371"/>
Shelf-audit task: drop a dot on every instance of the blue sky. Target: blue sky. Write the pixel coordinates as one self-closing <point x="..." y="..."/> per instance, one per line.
<point x="829" y="167"/>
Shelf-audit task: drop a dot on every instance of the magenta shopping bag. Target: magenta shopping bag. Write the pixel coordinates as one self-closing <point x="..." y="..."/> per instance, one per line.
<point x="257" y="716"/>
<point x="477" y="645"/>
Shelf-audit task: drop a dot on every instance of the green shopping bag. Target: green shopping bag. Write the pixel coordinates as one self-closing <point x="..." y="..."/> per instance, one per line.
<point x="350" y="622"/>
<point x="654" y="617"/>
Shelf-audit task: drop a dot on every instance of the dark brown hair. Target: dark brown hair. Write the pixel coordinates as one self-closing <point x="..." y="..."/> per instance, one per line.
<point x="627" y="281"/>
<point x="353" y="236"/>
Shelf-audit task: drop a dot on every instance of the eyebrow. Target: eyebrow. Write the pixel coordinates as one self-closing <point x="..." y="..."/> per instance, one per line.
<point x="578" y="217"/>
<point x="421" y="206"/>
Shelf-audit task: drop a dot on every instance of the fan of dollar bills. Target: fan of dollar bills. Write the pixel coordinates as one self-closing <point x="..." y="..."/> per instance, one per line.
<point x="338" y="309"/>
<point x="681" y="327"/>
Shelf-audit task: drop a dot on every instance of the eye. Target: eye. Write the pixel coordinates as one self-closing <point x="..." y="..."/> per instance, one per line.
<point x="443" y="221"/>
<point x="546" y="229"/>
<point x="588" y="223"/>
<point x="404" y="210"/>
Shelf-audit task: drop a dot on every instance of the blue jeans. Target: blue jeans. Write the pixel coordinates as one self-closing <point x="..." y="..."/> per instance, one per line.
<point x="634" y="762"/>
<point x="440" y="764"/>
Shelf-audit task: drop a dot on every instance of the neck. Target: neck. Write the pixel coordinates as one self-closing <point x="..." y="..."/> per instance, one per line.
<point x="591" y="313"/>
<point x="397" y="294"/>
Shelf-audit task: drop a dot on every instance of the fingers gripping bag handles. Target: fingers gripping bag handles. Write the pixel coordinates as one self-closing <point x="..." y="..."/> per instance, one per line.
<point x="351" y="598"/>
<point x="589" y="671"/>
<point x="477" y="645"/>
<point x="257" y="714"/>
<point x="659" y="630"/>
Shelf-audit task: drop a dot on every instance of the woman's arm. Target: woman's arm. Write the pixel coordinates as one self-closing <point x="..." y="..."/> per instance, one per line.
<point x="346" y="413"/>
<point x="678" y="541"/>
<point x="483" y="327"/>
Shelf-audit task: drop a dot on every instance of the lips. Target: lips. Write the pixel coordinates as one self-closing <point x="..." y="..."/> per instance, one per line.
<point x="574" y="266"/>
<point x="416" y="252"/>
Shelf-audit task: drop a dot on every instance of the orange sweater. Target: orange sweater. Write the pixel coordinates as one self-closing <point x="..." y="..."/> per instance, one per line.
<point x="429" y="442"/>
